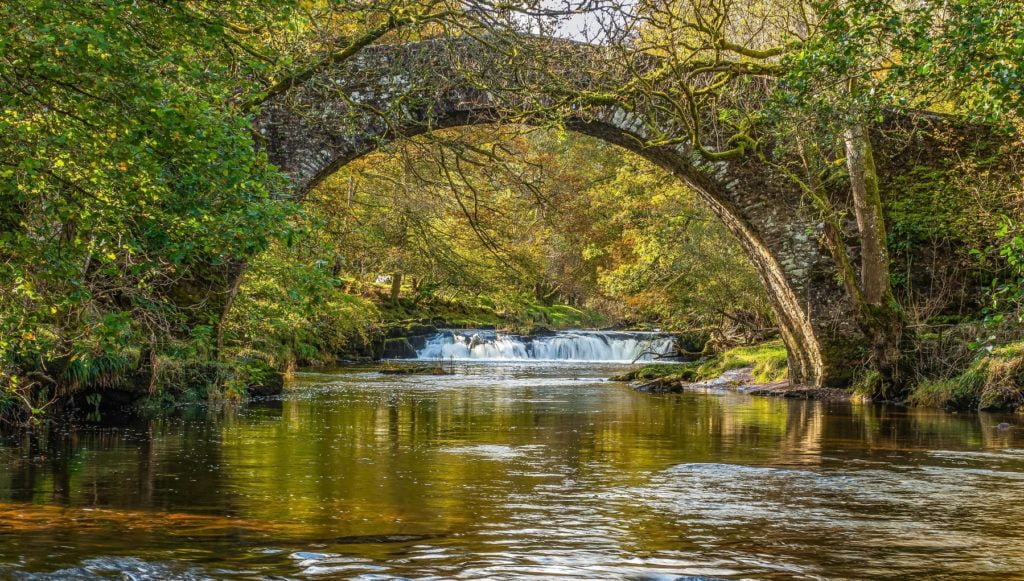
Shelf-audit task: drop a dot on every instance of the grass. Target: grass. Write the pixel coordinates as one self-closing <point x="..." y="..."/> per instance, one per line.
<point x="768" y="361"/>
<point x="563" y="317"/>
<point x="468" y="313"/>
<point x="453" y="313"/>
<point x="993" y="382"/>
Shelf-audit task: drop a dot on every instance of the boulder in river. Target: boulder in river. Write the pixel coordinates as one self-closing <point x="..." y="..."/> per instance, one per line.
<point x="661" y="385"/>
<point x="398" y="348"/>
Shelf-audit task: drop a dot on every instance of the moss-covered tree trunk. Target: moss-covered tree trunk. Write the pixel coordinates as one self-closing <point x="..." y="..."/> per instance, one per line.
<point x="882" y="318"/>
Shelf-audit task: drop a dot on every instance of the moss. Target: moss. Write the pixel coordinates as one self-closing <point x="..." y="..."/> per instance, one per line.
<point x="674" y="371"/>
<point x="993" y="382"/>
<point x="476" y="312"/>
<point x="867" y="383"/>
<point x="564" y="316"/>
<point x="769" y="362"/>
<point x="453" y="313"/>
<point x="661" y="370"/>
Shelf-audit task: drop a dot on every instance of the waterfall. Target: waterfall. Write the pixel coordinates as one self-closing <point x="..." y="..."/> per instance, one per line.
<point x="559" y="346"/>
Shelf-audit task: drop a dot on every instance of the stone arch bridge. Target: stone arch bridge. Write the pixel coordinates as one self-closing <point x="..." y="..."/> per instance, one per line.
<point x="334" y="115"/>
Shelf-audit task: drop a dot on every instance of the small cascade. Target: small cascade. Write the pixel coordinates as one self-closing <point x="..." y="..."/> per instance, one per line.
<point x="559" y="346"/>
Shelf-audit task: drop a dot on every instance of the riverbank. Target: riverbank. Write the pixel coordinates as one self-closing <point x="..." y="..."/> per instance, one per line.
<point x="994" y="381"/>
<point x="743" y="380"/>
<point x="755" y="370"/>
<point x="766" y="361"/>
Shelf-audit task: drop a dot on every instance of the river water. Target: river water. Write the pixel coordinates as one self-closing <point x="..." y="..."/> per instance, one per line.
<point x="516" y="470"/>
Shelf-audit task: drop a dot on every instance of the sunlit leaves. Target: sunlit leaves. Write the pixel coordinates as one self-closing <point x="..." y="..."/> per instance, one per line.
<point x="123" y="165"/>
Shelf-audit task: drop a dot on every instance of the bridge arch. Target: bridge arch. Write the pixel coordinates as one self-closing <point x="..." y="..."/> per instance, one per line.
<point x="344" y="112"/>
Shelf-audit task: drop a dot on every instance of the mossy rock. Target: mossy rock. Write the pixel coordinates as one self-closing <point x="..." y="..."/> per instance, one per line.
<point x="656" y="371"/>
<point x="666" y="384"/>
<point x="420" y="329"/>
<point x="418" y="341"/>
<point x="398" y="348"/>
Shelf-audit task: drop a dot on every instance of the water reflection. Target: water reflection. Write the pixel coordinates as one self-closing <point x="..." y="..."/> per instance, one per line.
<point x="517" y="471"/>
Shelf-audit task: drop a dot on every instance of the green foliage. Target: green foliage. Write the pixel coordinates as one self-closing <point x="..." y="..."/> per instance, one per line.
<point x="960" y="56"/>
<point x="769" y="362"/>
<point x="672" y="260"/>
<point x="455" y="311"/>
<point x="994" y="381"/>
<point x="129" y="169"/>
<point x="869" y="384"/>
<point x="1007" y="294"/>
<point x="967" y="51"/>
<point x="566" y="317"/>
<point x="290" y="312"/>
<point x="516" y="221"/>
<point x="125" y="167"/>
<point x="104" y="370"/>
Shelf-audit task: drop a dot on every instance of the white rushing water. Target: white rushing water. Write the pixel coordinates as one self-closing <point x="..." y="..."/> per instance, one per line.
<point x="560" y="346"/>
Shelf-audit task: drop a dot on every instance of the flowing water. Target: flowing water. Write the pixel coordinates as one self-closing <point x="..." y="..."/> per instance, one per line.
<point x="479" y="344"/>
<point x="517" y="470"/>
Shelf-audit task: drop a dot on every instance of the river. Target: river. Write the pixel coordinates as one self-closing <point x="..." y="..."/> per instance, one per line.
<point x="516" y="470"/>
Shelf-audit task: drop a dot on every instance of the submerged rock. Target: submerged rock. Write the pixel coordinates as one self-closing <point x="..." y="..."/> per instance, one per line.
<point x="415" y="370"/>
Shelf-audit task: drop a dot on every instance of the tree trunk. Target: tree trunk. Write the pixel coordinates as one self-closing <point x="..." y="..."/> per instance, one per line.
<point x="882" y="318"/>
<point x="867" y="205"/>
<point x="236" y="271"/>
<point x="396" y="286"/>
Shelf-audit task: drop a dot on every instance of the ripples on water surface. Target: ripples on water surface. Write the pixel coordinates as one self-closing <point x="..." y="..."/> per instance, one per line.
<point x="517" y="472"/>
